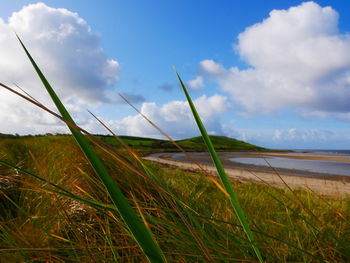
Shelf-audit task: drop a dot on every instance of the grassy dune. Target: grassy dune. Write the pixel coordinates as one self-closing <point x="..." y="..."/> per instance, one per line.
<point x="198" y="219"/>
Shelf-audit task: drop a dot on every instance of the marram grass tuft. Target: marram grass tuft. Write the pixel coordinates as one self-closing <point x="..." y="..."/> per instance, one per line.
<point x="138" y="229"/>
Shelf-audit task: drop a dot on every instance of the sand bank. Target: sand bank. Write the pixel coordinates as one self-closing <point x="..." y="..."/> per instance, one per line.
<point x="338" y="186"/>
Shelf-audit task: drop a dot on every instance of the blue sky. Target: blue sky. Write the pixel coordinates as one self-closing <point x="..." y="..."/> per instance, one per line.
<point x="279" y="79"/>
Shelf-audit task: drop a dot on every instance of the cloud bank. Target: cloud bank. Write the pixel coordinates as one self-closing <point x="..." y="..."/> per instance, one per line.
<point x="70" y="55"/>
<point x="297" y="59"/>
<point x="175" y="118"/>
<point x="68" y="52"/>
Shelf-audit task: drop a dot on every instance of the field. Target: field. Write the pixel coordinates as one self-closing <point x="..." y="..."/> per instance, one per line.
<point x="191" y="219"/>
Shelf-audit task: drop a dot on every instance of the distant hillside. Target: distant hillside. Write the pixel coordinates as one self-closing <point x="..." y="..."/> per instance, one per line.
<point x="8" y="136"/>
<point x="221" y="143"/>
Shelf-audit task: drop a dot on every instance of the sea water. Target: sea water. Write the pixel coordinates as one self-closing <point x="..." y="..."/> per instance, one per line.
<point x="318" y="166"/>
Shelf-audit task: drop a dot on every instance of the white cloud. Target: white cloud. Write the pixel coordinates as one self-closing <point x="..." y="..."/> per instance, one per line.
<point x="196" y="83"/>
<point x="297" y="57"/>
<point x="290" y="138"/>
<point x="175" y="118"/>
<point x="302" y="134"/>
<point x="70" y="55"/>
<point x="212" y="68"/>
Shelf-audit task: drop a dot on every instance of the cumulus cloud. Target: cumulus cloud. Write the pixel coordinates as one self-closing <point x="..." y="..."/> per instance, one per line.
<point x="68" y="52"/>
<point x="196" y="83"/>
<point x="175" y="118"/>
<point x="297" y="58"/>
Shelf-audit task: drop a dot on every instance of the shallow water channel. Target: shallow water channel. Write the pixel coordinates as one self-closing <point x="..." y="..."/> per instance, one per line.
<point x="314" y="166"/>
<point x="317" y="166"/>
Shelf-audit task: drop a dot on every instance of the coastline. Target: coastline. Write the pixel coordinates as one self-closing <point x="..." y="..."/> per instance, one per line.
<point x="324" y="184"/>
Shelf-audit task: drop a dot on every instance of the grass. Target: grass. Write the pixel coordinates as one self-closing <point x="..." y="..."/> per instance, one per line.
<point x="137" y="229"/>
<point x="144" y="145"/>
<point x="232" y="196"/>
<point x="284" y="230"/>
<point x="85" y="199"/>
<point x="195" y="144"/>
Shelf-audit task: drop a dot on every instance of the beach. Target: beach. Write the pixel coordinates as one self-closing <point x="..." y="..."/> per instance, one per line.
<point x="320" y="183"/>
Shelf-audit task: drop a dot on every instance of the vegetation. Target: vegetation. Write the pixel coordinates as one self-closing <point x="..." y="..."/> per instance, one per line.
<point x="142" y="144"/>
<point x="79" y="199"/>
<point x="229" y="191"/>
<point x="56" y="228"/>
<point x="195" y="144"/>
<point x="8" y="136"/>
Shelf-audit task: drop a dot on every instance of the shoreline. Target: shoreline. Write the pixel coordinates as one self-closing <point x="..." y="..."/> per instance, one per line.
<point x="324" y="184"/>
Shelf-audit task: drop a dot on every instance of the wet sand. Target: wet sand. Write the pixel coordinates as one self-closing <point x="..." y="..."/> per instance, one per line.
<point x="310" y="157"/>
<point x="324" y="184"/>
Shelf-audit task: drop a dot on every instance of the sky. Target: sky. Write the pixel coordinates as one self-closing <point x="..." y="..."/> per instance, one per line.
<point x="272" y="73"/>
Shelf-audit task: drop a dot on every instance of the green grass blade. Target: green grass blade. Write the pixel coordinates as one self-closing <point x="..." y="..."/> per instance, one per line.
<point x="221" y="171"/>
<point x="139" y="231"/>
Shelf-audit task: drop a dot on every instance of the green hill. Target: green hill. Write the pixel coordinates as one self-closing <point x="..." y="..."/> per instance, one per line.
<point x="221" y="143"/>
<point x="8" y="136"/>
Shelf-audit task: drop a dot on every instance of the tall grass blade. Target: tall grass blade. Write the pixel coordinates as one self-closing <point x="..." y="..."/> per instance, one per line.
<point x="221" y="171"/>
<point x="176" y="145"/>
<point x="139" y="231"/>
<point x="165" y="189"/>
